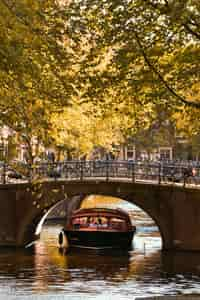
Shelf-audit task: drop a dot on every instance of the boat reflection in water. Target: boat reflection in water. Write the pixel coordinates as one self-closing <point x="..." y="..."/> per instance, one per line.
<point x="99" y="229"/>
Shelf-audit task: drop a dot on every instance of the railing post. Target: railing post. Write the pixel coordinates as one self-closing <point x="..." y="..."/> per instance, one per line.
<point x="81" y="170"/>
<point x="159" y="173"/>
<point x="184" y="177"/>
<point x="184" y="181"/>
<point x="54" y="170"/>
<point x="4" y="172"/>
<point x="107" y="169"/>
<point x="30" y="172"/>
<point x="133" y="171"/>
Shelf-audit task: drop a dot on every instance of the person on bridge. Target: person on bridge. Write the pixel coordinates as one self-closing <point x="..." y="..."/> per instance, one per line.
<point x="187" y="173"/>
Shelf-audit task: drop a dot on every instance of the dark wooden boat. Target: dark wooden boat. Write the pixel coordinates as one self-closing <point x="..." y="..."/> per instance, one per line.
<point x="98" y="228"/>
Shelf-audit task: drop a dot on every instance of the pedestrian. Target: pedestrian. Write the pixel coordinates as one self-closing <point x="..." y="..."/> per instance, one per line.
<point x="187" y="173"/>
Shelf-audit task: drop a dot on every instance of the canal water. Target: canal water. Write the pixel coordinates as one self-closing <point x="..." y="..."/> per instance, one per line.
<point x="42" y="272"/>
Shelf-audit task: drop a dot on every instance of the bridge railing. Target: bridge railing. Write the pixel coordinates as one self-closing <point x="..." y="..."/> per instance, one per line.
<point x="135" y="171"/>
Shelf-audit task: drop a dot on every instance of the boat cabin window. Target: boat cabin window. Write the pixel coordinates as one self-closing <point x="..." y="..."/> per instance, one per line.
<point x="104" y="221"/>
<point x="117" y="223"/>
<point x="79" y="222"/>
<point x="83" y="220"/>
<point x="97" y="221"/>
<point x="76" y="221"/>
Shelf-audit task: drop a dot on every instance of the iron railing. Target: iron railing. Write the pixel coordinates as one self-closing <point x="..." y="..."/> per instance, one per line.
<point x="135" y="171"/>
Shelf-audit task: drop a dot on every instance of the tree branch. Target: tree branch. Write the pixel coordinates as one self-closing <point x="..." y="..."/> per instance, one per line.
<point x="167" y="11"/>
<point x="159" y="75"/>
<point x="189" y="29"/>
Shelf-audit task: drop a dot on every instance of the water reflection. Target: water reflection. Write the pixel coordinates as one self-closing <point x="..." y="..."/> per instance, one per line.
<point x="181" y="263"/>
<point x="144" y="271"/>
<point x="75" y="270"/>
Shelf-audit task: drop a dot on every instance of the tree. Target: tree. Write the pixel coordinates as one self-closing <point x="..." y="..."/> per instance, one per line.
<point x="151" y="50"/>
<point x="33" y="76"/>
<point x="78" y="131"/>
<point x="188" y="128"/>
<point x="119" y="60"/>
<point x="149" y="41"/>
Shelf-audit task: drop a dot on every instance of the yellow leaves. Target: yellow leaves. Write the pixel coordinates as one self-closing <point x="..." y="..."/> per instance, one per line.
<point x="157" y="50"/>
<point x="187" y="122"/>
<point x="71" y="128"/>
<point x="106" y="131"/>
<point x="104" y="59"/>
<point x="82" y="130"/>
<point x="194" y="92"/>
<point x="28" y="84"/>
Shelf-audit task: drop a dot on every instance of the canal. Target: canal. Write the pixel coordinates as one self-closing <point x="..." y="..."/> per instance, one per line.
<point x="42" y="272"/>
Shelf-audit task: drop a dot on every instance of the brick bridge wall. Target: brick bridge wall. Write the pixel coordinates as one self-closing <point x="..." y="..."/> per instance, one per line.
<point x="176" y="210"/>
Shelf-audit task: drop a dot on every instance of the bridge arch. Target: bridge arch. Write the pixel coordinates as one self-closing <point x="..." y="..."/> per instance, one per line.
<point x="169" y="206"/>
<point x="41" y="199"/>
<point x="44" y="196"/>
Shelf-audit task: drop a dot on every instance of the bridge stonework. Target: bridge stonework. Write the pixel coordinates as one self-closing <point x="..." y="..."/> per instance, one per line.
<point x="175" y="209"/>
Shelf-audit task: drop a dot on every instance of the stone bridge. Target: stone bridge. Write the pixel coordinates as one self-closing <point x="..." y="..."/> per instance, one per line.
<point x="175" y="209"/>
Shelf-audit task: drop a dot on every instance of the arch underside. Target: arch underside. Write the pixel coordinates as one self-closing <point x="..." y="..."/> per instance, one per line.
<point x="28" y="234"/>
<point x="162" y="203"/>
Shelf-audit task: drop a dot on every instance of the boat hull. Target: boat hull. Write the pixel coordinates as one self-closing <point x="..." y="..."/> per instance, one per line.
<point x="100" y="239"/>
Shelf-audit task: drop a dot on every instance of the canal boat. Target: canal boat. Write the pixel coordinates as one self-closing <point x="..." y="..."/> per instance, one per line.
<point x="98" y="228"/>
